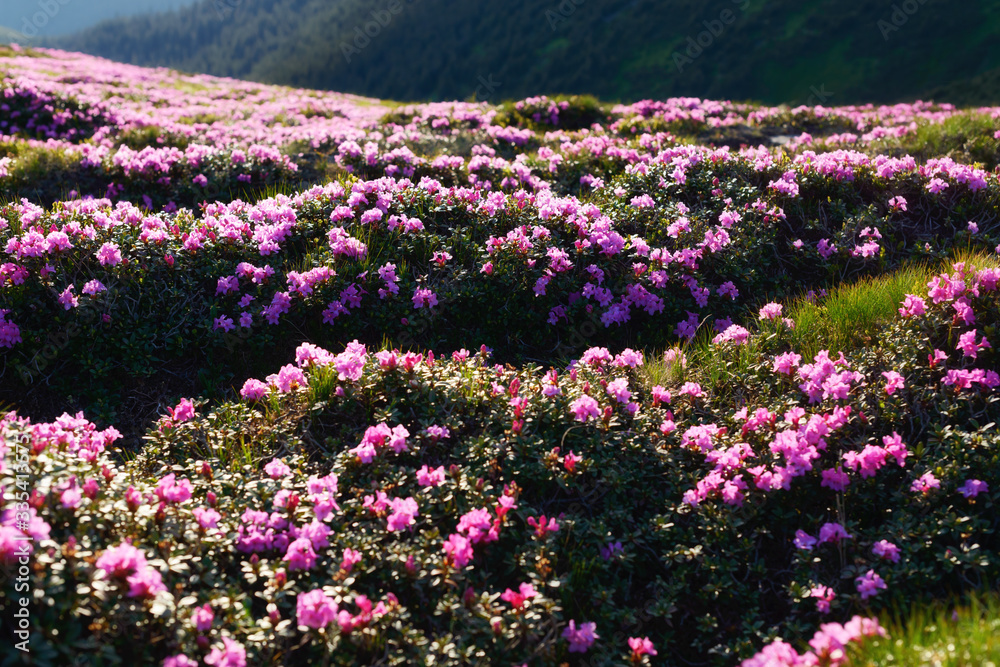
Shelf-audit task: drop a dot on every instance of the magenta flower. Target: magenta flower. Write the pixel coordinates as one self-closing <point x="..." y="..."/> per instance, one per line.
<point x="584" y="408"/>
<point x="351" y="558"/>
<point x="300" y="555"/>
<point x="424" y="298"/>
<point x="936" y="185"/>
<point x="253" y="390"/>
<point x="692" y="389"/>
<point x="517" y="598"/>
<point x="184" y="411"/>
<point x="832" y="532"/>
<point x="913" y="306"/>
<point x="786" y="363"/>
<point x="543" y="526"/>
<point x="886" y="550"/>
<point x="968" y="345"/>
<point x="145" y="583"/>
<point x="93" y="287"/>
<point x="618" y="390"/>
<point x="180" y="660"/>
<point x="925" y="483"/>
<point x="869" y="584"/>
<point x="893" y="381"/>
<point x="403" y="512"/>
<point x="231" y="654"/>
<point x="640" y="647"/>
<point x="771" y="311"/>
<point x="898" y="203"/>
<point x="202" y="617"/>
<point x="287" y="379"/>
<point x="109" y="255"/>
<point x="824" y="596"/>
<point x="835" y="479"/>
<point x="459" y="549"/>
<point x="68" y="299"/>
<point x="973" y="487"/>
<point x="429" y="478"/>
<point x="580" y="639"/>
<point x="172" y="490"/>
<point x="206" y="517"/>
<point x="315" y="609"/>
<point x="276" y="469"/>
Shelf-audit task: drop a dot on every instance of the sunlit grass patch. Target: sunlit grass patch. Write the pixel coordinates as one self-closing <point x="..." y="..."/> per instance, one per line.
<point x="964" y="637"/>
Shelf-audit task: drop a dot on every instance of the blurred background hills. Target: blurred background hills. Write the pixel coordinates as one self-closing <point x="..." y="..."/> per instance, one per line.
<point x="780" y="51"/>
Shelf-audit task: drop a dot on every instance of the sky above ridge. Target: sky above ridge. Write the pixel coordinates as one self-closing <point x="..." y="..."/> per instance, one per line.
<point x="33" y="18"/>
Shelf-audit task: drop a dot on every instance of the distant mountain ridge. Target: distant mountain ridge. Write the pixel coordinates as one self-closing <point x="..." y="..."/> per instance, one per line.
<point x="812" y="51"/>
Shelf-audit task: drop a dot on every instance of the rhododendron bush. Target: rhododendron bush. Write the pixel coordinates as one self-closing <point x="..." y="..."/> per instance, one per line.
<point x="298" y="379"/>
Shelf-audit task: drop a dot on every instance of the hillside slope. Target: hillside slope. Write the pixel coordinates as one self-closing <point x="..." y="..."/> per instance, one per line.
<point x="819" y="51"/>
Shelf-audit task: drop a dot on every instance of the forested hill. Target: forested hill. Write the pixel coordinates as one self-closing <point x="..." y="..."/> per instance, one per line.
<point x="808" y="51"/>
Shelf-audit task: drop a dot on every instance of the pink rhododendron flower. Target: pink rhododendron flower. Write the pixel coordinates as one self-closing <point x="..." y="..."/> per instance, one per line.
<point x="350" y="559"/>
<point x="459" y="549"/>
<point x="640" y="646"/>
<point x="276" y="469"/>
<point x="231" y="654"/>
<point x="145" y="583"/>
<point x="206" y="517"/>
<point x="300" y="555"/>
<point x="253" y="390"/>
<point x="886" y="550"/>
<point x="893" y="382"/>
<point x="180" y="660"/>
<point x="517" y="598"/>
<point x="692" y="389"/>
<point x="832" y="532"/>
<point x="869" y="584"/>
<point x="771" y="311"/>
<point x="428" y="478"/>
<point x="202" y="617"/>
<point x="913" y="306"/>
<point x="580" y="639"/>
<point x="109" y="254"/>
<point x="170" y="489"/>
<point x="424" y="298"/>
<point x="287" y="379"/>
<point x="543" y="526"/>
<point x="585" y="408"/>
<point x="824" y="596"/>
<point x="925" y="483"/>
<point x="973" y="487"/>
<point x="68" y="299"/>
<point x="968" y="345"/>
<point x="315" y="610"/>
<point x="786" y="363"/>
<point x="184" y="411"/>
<point x="403" y="513"/>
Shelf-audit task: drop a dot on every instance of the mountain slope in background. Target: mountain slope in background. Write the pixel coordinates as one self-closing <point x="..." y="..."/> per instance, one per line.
<point x="795" y="51"/>
<point x="31" y="18"/>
